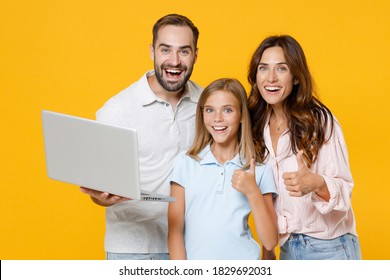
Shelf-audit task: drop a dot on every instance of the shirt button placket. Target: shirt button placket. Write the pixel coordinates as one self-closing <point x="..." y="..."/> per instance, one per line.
<point x="221" y="181"/>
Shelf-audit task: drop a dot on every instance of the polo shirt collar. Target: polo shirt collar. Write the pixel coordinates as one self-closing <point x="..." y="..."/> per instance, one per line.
<point x="207" y="157"/>
<point x="148" y="96"/>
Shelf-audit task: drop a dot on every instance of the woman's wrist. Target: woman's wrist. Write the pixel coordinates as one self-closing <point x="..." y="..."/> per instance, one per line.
<point x="321" y="188"/>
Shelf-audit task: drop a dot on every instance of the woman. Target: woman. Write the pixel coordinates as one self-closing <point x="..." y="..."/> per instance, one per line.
<point x="303" y="142"/>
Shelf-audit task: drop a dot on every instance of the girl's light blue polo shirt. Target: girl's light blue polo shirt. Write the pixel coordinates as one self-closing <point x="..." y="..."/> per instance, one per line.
<point x="216" y="215"/>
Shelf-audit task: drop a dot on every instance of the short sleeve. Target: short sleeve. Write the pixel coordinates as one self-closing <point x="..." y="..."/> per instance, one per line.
<point x="179" y="174"/>
<point x="265" y="179"/>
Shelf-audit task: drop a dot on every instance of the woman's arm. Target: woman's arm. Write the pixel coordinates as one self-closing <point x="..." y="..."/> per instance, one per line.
<point x="304" y="181"/>
<point x="176" y="211"/>
<point x="329" y="180"/>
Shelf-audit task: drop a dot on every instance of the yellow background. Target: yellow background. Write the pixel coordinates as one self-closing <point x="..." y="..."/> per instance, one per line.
<point x="71" y="56"/>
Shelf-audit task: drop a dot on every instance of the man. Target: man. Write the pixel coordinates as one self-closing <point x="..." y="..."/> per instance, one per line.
<point x="161" y="106"/>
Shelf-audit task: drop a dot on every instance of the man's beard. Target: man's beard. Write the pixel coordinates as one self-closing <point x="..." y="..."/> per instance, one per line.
<point x="172" y="86"/>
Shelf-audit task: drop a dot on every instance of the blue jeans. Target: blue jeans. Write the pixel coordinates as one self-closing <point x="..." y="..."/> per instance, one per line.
<point x="303" y="247"/>
<point x="131" y="256"/>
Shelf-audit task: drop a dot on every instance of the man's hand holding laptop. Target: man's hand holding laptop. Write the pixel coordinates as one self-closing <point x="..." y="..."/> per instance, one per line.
<point x="103" y="198"/>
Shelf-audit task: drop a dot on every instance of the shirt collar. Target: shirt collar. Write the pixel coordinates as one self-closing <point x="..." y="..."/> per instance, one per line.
<point x="207" y="157"/>
<point x="268" y="117"/>
<point x="149" y="97"/>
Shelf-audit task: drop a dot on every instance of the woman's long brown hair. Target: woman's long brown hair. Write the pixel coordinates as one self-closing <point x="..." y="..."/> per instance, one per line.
<point x="308" y="118"/>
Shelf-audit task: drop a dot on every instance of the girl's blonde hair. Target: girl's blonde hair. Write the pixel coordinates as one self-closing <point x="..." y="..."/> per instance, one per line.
<point x="203" y="137"/>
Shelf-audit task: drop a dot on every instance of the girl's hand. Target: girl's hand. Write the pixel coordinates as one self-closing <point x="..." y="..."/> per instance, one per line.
<point x="245" y="181"/>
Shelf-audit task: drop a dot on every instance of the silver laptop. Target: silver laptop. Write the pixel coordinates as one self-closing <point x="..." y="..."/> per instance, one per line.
<point x="95" y="155"/>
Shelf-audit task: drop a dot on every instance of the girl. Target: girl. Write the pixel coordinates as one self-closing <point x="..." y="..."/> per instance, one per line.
<point x="300" y="138"/>
<point x="214" y="195"/>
